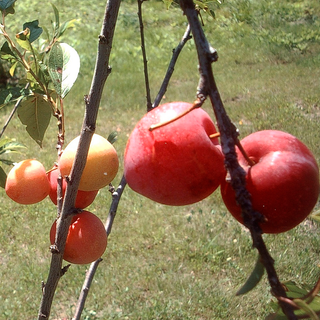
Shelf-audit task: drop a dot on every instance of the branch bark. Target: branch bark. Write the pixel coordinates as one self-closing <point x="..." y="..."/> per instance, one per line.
<point x="175" y="55"/>
<point x="144" y="56"/>
<point x="116" y="196"/>
<point x="229" y="140"/>
<point x="92" y="101"/>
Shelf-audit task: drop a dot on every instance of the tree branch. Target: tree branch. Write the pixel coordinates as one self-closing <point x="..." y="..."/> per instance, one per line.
<point x="144" y="56"/>
<point x="175" y="55"/>
<point x="116" y="196"/>
<point x="229" y="138"/>
<point x="101" y="73"/>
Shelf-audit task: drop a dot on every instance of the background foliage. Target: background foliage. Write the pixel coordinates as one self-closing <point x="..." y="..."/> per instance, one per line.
<point x="167" y="262"/>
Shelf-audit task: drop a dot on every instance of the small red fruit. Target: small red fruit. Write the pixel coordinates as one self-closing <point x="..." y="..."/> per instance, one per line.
<point x="27" y="182"/>
<point x="283" y="182"/>
<point x="86" y="240"/>
<point x="178" y="163"/>
<point x="83" y="199"/>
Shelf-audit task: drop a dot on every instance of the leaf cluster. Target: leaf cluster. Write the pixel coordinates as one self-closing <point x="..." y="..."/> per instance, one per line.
<point x="50" y="68"/>
<point x="7" y="146"/>
<point x="207" y="6"/>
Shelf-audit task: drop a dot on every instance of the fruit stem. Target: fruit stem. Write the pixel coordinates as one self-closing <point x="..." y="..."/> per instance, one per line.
<point x="214" y="135"/>
<point x="196" y="104"/>
<point x="249" y="160"/>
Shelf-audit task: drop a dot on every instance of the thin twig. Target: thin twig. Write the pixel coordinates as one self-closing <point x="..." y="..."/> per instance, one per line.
<point x="85" y="289"/>
<point x="101" y="73"/>
<point x="228" y="136"/>
<point x="144" y="56"/>
<point x="15" y="108"/>
<point x="116" y="196"/>
<point x="175" y="54"/>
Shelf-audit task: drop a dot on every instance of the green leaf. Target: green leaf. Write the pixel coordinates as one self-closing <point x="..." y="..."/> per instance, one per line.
<point x="5" y="4"/>
<point x="23" y="39"/>
<point x="168" y="3"/>
<point x="43" y="73"/>
<point x="66" y="25"/>
<point x="13" y="69"/>
<point x="10" y="146"/>
<point x="64" y="66"/>
<point x="12" y="94"/>
<point x="9" y="10"/>
<point x="112" y="138"/>
<point x="308" y="310"/>
<point x="253" y="279"/>
<point x="35" y="30"/>
<point x="6" y="53"/>
<point x="316" y="216"/>
<point x="293" y="291"/>
<point x="35" y="113"/>
<point x="3" y="178"/>
<point x="55" y="66"/>
<point x="56" y="24"/>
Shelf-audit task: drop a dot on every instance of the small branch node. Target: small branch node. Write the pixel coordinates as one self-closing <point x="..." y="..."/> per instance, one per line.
<point x="112" y="189"/>
<point x="102" y="38"/>
<point x="212" y="55"/>
<point x="89" y="128"/>
<point x="65" y="269"/>
<point x="54" y="249"/>
<point x="42" y="316"/>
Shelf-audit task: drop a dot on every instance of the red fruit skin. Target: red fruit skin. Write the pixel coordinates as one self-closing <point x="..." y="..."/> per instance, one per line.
<point x="284" y="182"/>
<point x="177" y="164"/>
<point x="86" y="240"/>
<point x="83" y="199"/>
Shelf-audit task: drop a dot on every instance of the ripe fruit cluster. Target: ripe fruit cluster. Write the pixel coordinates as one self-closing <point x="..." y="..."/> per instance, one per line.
<point x="28" y="183"/>
<point x="180" y="163"/>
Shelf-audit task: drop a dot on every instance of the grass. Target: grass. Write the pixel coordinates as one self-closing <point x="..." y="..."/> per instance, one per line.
<point x="172" y="262"/>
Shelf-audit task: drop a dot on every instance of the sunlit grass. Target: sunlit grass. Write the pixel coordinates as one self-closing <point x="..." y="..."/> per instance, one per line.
<point x="167" y="262"/>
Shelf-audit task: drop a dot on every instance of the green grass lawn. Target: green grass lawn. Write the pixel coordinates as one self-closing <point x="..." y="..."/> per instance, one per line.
<point x="171" y="262"/>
